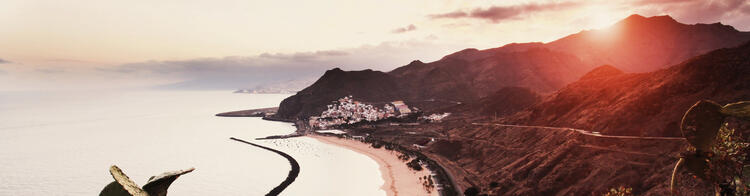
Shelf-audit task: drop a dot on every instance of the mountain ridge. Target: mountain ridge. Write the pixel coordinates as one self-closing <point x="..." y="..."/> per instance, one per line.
<point x="645" y="104"/>
<point x="635" y="44"/>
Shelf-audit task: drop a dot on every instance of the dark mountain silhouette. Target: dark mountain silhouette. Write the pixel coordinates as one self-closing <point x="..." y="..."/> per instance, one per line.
<point x="648" y="104"/>
<point x="634" y="44"/>
<point x="471" y="74"/>
<point x="335" y="84"/>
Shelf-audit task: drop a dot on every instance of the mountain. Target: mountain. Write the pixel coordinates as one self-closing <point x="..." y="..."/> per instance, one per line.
<point x="594" y="80"/>
<point x="635" y="44"/>
<point x="471" y="74"/>
<point x="505" y="101"/>
<point x="281" y="87"/>
<point x="644" y="104"/>
<point x="375" y="86"/>
<point x="641" y="44"/>
<point x="501" y="159"/>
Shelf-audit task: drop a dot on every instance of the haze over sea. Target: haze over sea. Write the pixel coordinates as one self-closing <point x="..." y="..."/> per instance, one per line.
<point x="62" y="143"/>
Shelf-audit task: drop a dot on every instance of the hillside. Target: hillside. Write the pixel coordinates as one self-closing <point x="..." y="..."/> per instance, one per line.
<point x="505" y="101"/>
<point x="644" y="104"/>
<point x="335" y="84"/>
<point x="640" y="44"/>
<point x="635" y="44"/>
<point x="500" y="158"/>
<point x="481" y="72"/>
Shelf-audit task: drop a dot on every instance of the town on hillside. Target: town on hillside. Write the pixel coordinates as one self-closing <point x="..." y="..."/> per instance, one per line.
<point x="347" y="112"/>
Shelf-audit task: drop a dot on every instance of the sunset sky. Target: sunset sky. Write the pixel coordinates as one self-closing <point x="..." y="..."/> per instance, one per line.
<point x="69" y="44"/>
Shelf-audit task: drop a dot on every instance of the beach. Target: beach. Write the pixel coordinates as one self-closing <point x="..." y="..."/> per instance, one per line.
<point x="399" y="179"/>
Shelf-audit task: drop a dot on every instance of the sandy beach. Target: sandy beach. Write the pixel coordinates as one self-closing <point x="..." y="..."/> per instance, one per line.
<point x="399" y="179"/>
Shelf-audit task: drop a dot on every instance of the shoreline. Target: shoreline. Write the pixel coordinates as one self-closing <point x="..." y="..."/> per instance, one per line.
<point x="260" y="112"/>
<point x="399" y="179"/>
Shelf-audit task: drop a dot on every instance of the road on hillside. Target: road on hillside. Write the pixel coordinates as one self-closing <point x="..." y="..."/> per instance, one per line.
<point x="581" y="131"/>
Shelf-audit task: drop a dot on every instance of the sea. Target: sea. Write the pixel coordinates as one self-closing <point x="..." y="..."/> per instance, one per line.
<point x="63" y="143"/>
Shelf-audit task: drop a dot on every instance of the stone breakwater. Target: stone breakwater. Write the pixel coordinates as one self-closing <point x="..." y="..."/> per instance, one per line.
<point x="293" y="173"/>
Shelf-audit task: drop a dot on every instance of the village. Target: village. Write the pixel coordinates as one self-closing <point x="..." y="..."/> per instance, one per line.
<point x="347" y="111"/>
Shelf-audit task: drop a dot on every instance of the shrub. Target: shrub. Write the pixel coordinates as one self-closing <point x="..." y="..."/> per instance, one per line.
<point x="620" y="191"/>
<point x="471" y="191"/>
<point x="414" y="164"/>
<point x="494" y="184"/>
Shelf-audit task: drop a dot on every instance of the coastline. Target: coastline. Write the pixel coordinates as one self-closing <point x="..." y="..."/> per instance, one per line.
<point x="260" y="112"/>
<point x="399" y="179"/>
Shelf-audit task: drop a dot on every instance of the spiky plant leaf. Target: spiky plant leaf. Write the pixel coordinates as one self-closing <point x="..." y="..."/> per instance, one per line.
<point x="125" y="184"/>
<point x="739" y="109"/>
<point x="158" y="185"/>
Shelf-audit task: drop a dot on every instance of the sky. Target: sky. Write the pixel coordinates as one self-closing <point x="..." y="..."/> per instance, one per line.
<point x="226" y="44"/>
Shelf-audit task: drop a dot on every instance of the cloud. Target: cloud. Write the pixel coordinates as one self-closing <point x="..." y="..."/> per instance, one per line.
<point x="411" y="27"/>
<point x="501" y="13"/>
<point x="3" y="61"/>
<point x="454" y="14"/>
<point x="249" y="71"/>
<point x="50" y="70"/>
<point x="660" y="2"/>
<point x="697" y="11"/>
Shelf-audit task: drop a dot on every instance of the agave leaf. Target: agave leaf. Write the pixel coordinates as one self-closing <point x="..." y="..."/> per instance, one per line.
<point x="739" y="109"/>
<point x="114" y="189"/>
<point x="122" y="185"/>
<point x="158" y="185"/>
<point x="701" y="123"/>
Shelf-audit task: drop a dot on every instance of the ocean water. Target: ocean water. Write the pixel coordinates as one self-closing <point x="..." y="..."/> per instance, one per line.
<point x="62" y="143"/>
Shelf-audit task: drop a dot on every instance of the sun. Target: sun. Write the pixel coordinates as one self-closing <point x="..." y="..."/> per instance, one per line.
<point x="599" y="16"/>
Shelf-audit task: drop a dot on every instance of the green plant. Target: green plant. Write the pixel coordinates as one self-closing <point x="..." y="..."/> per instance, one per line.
<point x="620" y="191"/>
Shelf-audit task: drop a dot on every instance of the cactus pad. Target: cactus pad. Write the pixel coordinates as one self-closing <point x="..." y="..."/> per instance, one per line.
<point x="697" y="165"/>
<point x="701" y="124"/>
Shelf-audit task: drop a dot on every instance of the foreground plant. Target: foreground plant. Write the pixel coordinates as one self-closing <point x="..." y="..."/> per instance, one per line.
<point x="716" y="154"/>
<point x="156" y="185"/>
<point x="620" y="191"/>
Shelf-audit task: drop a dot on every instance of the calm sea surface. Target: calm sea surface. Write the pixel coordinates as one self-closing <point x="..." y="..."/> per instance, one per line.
<point x="62" y="143"/>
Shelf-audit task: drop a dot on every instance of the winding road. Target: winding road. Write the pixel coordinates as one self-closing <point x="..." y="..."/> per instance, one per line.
<point x="581" y="131"/>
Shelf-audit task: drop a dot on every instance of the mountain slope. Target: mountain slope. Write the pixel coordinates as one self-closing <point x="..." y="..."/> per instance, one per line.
<point x="635" y="44"/>
<point x="640" y="44"/>
<point x="506" y="101"/>
<point x="481" y="72"/>
<point x="648" y="104"/>
<point x="335" y="84"/>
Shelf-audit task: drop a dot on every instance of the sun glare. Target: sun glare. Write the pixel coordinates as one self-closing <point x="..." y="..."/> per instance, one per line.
<point x="599" y="16"/>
